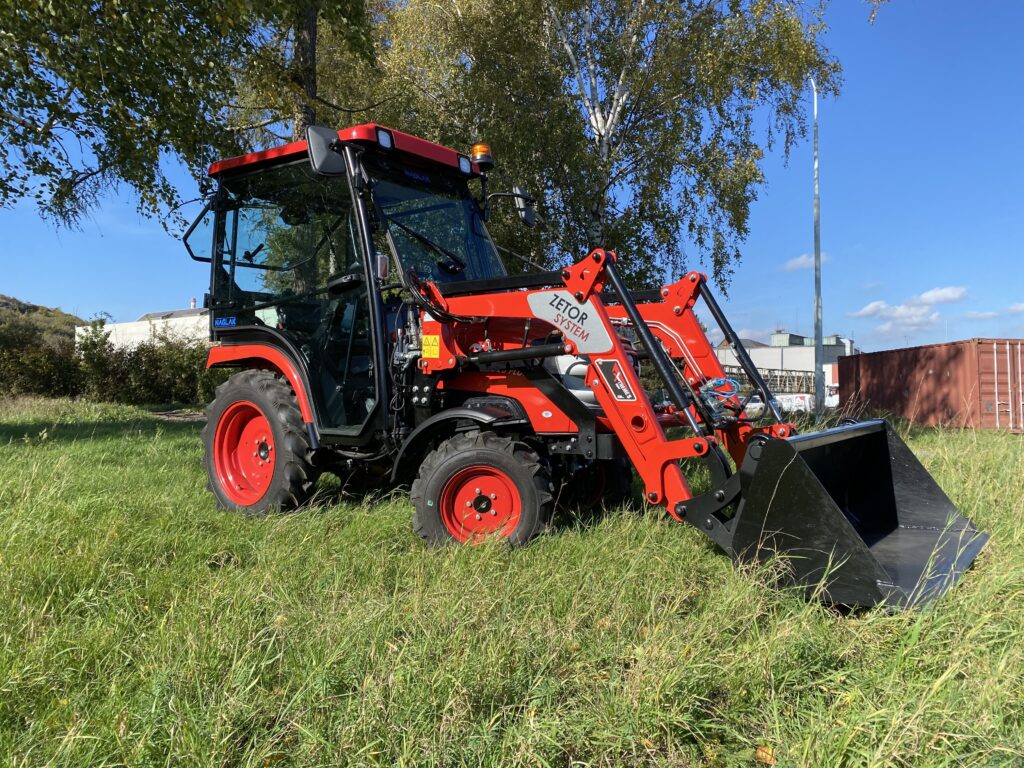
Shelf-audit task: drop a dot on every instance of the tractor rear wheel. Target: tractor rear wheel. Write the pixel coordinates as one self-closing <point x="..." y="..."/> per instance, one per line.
<point x="481" y="484"/>
<point x="256" y="451"/>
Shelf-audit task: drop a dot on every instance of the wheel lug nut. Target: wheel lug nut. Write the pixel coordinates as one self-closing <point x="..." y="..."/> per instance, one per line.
<point x="469" y="503"/>
<point x="494" y="512"/>
<point x="494" y="495"/>
<point x="477" y="491"/>
<point x="478" y="517"/>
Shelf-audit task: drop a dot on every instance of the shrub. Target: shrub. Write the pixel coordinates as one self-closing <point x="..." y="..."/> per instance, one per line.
<point x="32" y="364"/>
<point x="163" y="370"/>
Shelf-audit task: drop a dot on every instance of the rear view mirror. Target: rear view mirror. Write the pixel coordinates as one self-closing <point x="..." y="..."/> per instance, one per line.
<point x="339" y="284"/>
<point x="325" y="151"/>
<point x="524" y="207"/>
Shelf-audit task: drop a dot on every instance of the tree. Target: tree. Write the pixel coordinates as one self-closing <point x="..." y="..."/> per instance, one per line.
<point x="101" y="93"/>
<point x="642" y="124"/>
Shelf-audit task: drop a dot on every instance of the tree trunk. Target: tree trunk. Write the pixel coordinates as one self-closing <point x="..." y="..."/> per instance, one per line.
<point x="595" y="228"/>
<point x="305" y="70"/>
<point x="599" y="208"/>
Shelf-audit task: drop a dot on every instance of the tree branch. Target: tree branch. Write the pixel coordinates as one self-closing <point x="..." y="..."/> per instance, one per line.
<point x="254" y="126"/>
<point x="595" y="95"/>
<point x="18" y="120"/>
<point x="577" y="71"/>
<point x="52" y="119"/>
<point x="352" y="110"/>
<point x="621" y="93"/>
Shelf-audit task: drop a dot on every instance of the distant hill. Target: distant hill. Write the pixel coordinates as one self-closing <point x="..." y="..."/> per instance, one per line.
<point x="54" y="323"/>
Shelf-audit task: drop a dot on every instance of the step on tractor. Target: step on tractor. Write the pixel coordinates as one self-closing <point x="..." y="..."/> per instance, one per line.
<point x="379" y="335"/>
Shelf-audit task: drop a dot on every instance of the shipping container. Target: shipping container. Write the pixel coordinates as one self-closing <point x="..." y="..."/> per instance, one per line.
<point x="976" y="383"/>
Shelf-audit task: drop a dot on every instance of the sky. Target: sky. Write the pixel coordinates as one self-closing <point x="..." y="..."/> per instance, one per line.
<point x="922" y="200"/>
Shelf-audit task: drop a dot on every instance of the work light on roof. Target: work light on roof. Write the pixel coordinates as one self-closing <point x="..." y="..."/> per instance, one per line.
<point x="385" y="139"/>
<point x="464" y="165"/>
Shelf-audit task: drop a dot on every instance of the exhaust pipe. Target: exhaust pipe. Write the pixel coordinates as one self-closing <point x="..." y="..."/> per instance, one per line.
<point x="858" y="519"/>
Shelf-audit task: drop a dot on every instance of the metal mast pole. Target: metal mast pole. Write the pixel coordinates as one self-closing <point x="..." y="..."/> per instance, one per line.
<point x="819" y="349"/>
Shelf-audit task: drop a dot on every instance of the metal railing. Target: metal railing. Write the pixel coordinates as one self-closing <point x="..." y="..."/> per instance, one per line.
<point x="780" y="381"/>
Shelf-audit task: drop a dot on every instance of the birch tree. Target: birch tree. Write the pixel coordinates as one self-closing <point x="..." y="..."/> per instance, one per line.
<point x="641" y="124"/>
<point x="679" y="102"/>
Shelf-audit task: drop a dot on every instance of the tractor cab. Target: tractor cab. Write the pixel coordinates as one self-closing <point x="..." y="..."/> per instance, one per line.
<point x="315" y="263"/>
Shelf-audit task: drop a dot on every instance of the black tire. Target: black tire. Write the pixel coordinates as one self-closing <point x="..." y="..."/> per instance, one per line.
<point x="291" y="478"/>
<point x="484" y="459"/>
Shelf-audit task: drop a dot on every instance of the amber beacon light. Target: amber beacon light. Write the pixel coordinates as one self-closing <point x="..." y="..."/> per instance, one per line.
<point x="481" y="155"/>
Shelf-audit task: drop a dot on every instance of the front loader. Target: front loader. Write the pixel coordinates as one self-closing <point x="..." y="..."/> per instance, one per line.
<point x="379" y="336"/>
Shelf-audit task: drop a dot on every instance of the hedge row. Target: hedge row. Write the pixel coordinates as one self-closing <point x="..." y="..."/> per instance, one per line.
<point x="163" y="370"/>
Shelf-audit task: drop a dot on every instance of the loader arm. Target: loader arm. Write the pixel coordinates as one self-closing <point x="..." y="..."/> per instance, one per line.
<point x="589" y="327"/>
<point x="674" y="324"/>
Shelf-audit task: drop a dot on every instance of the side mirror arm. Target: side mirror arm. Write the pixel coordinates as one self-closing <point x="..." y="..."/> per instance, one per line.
<point x="524" y="204"/>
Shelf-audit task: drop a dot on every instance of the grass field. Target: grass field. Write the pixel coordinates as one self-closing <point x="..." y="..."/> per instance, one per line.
<point x="140" y="626"/>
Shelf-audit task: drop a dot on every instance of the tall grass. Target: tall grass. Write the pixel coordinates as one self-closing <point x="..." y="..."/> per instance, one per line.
<point x="140" y="626"/>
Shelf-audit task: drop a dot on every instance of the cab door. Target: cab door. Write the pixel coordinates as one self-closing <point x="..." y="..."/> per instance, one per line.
<point x="288" y="269"/>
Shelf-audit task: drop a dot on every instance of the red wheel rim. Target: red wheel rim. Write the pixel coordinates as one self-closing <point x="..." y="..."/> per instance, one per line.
<point x="244" y="453"/>
<point x="480" y="501"/>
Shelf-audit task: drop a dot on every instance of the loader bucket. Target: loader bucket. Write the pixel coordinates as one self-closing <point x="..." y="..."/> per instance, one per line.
<point x="855" y="515"/>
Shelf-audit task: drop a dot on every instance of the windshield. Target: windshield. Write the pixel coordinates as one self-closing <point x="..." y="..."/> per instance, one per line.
<point x="435" y="225"/>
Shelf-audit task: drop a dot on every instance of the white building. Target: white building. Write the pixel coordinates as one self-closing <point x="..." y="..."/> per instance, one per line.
<point x="190" y="323"/>
<point x="787" y="362"/>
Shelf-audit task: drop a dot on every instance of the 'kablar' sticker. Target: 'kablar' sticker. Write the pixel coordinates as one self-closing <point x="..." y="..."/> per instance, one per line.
<point x="614" y="377"/>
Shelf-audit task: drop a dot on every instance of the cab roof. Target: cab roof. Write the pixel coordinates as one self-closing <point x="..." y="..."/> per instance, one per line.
<point x="367" y="133"/>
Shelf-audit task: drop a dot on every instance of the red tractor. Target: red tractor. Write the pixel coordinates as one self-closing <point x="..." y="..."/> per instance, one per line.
<point x="378" y="335"/>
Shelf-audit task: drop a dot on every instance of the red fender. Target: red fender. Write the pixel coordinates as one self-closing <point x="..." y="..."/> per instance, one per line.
<point x="264" y="356"/>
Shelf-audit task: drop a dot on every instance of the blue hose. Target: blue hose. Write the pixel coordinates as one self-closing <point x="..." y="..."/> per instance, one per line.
<point x="713" y="385"/>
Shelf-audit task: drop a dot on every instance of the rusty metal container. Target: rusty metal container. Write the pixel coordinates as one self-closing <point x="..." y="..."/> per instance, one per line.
<point x="976" y="383"/>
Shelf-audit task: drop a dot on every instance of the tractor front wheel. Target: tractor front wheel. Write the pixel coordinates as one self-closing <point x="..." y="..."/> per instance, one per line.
<point x="481" y="484"/>
<point x="256" y="451"/>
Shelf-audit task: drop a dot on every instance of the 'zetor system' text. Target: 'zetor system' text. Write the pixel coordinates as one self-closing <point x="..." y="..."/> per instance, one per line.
<point x="570" y="317"/>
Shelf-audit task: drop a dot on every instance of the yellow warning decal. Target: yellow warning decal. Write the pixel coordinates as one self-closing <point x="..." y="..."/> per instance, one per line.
<point x="431" y="347"/>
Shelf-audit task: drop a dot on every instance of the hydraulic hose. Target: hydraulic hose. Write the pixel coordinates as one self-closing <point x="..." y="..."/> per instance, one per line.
<point x="662" y="364"/>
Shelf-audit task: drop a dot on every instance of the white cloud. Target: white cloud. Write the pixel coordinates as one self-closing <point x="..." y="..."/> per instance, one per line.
<point x="803" y="261"/>
<point x="906" y="326"/>
<point x="980" y="315"/>
<point x="756" y="334"/>
<point x="945" y="295"/>
<point x="900" y="319"/>
<point x="916" y="313"/>
<point x="1015" y="309"/>
<point x="873" y="309"/>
